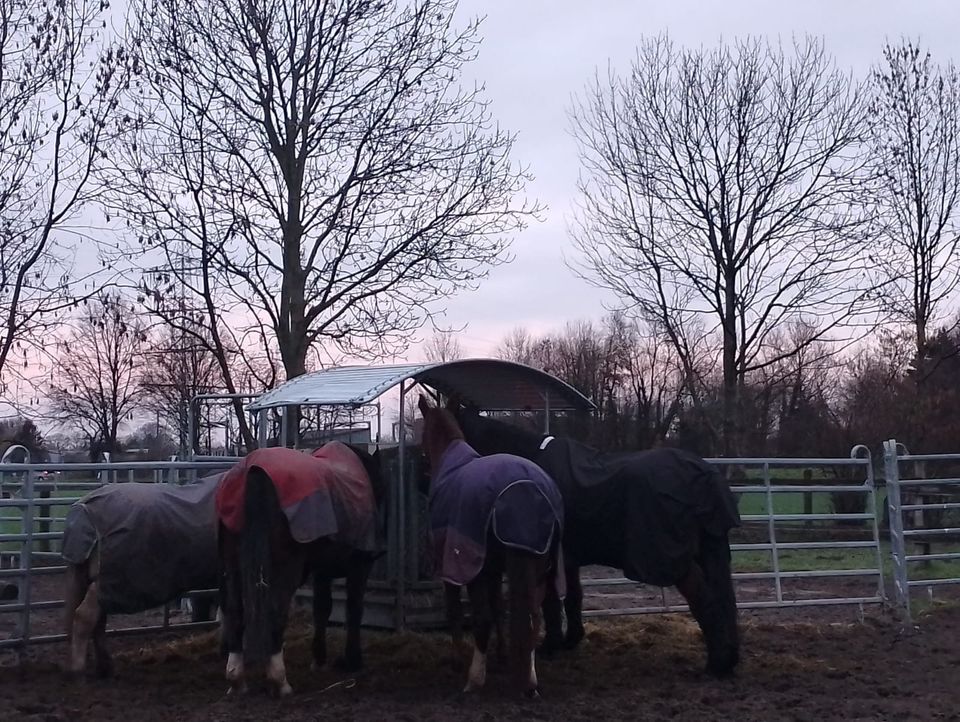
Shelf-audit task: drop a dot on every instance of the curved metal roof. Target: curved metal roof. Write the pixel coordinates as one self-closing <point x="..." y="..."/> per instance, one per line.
<point x="490" y="384"/>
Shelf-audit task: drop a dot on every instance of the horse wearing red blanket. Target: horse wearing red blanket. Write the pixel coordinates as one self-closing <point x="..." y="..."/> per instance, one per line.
<point x="284" y="514"/>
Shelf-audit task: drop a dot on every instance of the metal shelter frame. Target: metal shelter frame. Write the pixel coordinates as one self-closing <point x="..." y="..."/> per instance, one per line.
<point x="489" y="384"/>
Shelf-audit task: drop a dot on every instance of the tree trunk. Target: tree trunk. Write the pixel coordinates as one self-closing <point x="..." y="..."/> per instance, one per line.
<point x="730" y="425"/>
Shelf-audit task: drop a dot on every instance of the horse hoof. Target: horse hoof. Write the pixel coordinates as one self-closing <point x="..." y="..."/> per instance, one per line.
<point x="571" y="641"/>
<point x="237" y="689"/>
<point x="532" y="694"/>
<point x="348" y="664"/>
<point x="724" y="663"/>
<point x="549" y="649"/>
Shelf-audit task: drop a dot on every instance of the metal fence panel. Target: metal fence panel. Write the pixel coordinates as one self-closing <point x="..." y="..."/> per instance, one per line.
<point x="914" y="519"/>
<point x="775" y="523"/>
<point x="36" y="491"/>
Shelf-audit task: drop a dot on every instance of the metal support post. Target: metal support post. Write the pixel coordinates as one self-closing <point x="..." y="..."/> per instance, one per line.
<point x="891" y="466"/>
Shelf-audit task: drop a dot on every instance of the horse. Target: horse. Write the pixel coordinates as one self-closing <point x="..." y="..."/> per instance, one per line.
<point x="489" y="516"/>
<point x="283" y="515"/>
<point x="130" y="547"/>
<point x="662" y="516"/>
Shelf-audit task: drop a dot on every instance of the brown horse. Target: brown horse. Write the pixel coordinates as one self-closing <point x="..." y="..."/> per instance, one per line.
<point x="284" y="515"/>
<point x="131" y="547"/>
<point x="490" y="516"/>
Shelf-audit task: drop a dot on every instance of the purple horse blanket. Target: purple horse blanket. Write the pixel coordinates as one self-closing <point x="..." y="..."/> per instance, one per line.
<point x="473" y="496"/>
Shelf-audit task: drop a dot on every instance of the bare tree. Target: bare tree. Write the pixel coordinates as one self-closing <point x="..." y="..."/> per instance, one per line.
<point x="916" y="152"/>
<point x="719" y="194"/>
<point x="96" y="382"/>
<point x="58" y="89"/>
<point x="178" y="369"/>
<point x="442" y="346"/>
<point x="654" y="384"/>
<point x="315" y="167"/>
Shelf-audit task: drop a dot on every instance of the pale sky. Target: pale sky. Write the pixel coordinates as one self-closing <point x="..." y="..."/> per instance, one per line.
<point x="536" y="54"/>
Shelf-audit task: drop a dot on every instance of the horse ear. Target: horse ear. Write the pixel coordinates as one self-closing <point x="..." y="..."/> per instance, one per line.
<point x="423" y="405"/>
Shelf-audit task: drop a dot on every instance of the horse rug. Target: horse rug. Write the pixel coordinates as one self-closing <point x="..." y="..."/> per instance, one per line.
<point x="642" y="512"/>
<point x="156" y="541"/>
<point x="473" y="496"/>
<point x="326" y="494"/>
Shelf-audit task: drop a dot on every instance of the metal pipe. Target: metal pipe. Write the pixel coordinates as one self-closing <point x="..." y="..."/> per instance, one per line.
<point x="26" y="563"/>
<point x="897" y="545"/>
<point x="401" y="507"/>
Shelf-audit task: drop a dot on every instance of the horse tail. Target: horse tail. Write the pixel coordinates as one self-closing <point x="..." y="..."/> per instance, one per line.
<point x="261" y="509"/>
<point x="715" y="561"/>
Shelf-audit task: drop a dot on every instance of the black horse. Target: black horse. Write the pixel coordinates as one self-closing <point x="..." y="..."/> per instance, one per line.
<point x="662" y="516"/>
<point x="284" y="515"/>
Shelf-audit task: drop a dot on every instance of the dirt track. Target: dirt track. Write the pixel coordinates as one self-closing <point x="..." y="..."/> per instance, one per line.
<point x="639" y="668"/>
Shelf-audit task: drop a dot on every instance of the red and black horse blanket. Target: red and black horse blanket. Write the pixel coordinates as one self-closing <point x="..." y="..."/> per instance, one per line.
<point x="326" y="494"/>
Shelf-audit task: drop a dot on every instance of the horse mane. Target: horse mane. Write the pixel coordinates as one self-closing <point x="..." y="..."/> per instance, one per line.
<point x="374" y="468"/>
<point x="449" y="426"/>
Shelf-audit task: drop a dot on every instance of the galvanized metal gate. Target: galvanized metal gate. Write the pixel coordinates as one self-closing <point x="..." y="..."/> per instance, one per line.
<point x="924" y="497"/>
<point x="33" y="502"/>
<point x="778" y="529"/>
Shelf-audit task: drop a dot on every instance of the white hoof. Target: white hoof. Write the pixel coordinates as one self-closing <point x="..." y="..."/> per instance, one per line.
<point x="477" y="676"/>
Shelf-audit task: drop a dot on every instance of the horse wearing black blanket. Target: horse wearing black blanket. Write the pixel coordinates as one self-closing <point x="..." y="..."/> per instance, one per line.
<point x="662" y="516"/>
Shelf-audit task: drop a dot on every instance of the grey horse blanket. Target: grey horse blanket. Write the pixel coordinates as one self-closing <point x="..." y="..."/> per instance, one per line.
<point x="473" y="496"/>
<point x="642" y="512"/>
<point x="156" y="541"/>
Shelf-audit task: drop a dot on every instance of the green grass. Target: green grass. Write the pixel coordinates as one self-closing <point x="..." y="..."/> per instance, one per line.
<point x="795" y="560"/>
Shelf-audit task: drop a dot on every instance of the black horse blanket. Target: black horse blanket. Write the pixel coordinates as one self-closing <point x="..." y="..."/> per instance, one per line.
<point x="156" y="541"/>
<point x="326" y="494"/>
<point x="638" y="511"/>
<point x="473" y="496"/>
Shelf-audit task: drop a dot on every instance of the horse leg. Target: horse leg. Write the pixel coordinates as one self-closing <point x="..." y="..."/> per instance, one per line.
<point x="573" y="605"/>
<point x="85" y="619"/>
<point x="479" y="595"/>
<point x="322" y="607"/>
<point x="77" y="582"/>
<point x="706" y="610"/>
<point x="553" y="622"/>
<point x="287" y="576"/>
<point x="526" y="576"/>
<point x="352" y="659"/>
<point x="496" y="612"/>
<point x="454" y="606"/>
<point x="104" y="663"/>
<point x="231" y="613"/>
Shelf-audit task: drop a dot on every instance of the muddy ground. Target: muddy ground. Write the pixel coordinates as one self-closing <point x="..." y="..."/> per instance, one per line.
<point x="810" y="664"/>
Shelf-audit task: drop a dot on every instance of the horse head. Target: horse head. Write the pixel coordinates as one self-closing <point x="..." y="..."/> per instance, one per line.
<point x="440" y="429"/>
